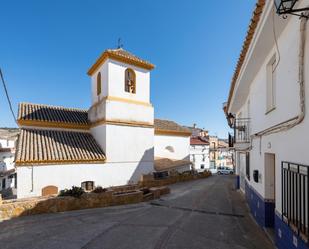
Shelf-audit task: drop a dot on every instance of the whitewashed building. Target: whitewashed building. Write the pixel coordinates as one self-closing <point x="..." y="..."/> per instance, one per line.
<point x="112" y="143"/>
<point x="199" y="154"/>
<point x="268" y="108"/>
<point x="8" y="137"/>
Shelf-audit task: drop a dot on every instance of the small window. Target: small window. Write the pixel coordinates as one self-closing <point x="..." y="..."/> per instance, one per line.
<point x="271" y="85"/>
<point x="130" y="81"/>
<point x="99" y="84"/>
<point x="202" y="166"/>
<point x="88" y="185"/>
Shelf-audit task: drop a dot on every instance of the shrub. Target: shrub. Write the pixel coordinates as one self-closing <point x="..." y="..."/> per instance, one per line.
<point x="99" y="189"/>
<point x="74" y="191"/>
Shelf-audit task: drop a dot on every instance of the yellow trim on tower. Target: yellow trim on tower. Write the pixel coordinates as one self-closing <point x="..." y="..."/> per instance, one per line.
<point x="124" y="100"/>
<point x="123" y="123"/>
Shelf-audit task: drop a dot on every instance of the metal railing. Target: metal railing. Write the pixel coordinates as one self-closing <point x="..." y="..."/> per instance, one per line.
<point x="241" y="130"/>
<point x="295" y="197"/>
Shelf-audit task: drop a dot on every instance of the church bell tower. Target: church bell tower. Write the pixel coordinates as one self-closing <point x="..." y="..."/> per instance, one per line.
<point x="121" y="115"/>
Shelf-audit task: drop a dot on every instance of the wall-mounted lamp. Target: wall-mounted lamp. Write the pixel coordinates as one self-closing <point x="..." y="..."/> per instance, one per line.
<point x="285" y="7"/>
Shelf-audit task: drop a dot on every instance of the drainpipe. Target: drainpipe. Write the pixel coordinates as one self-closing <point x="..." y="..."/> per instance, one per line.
<point x="288" y="124"/>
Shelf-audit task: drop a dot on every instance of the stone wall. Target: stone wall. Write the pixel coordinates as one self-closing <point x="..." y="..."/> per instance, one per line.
<point x="147" y="182"/>
<point x="11" y="209"/>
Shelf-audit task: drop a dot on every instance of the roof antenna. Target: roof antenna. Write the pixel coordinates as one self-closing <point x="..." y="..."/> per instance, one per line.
<point x="120" y="45"/>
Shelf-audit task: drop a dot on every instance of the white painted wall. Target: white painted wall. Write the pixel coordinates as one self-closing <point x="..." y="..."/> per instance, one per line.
<point x="199" y="155"/>
<point x="7" y="143"/>
<point x="66" y="176"/>
<point x="289" y="145"/>
<point x="180" y="145"/>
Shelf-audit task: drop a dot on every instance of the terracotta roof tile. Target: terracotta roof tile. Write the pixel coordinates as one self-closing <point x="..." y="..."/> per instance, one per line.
<point x="28" y="112"/>
<point x="168" y="125"/>
<point x="198" y="141"/>
<point x="122" y="55"/>
<point x="50" y="146"/>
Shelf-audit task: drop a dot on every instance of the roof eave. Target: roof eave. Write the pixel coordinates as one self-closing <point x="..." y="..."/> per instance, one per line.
<point x="108" y="55"/>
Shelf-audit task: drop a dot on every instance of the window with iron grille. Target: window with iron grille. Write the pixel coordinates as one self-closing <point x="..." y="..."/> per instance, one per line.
<point x="295" y="197"/>
<point x="88" y="185"/>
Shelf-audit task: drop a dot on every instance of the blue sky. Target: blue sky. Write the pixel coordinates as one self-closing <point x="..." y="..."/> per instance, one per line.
<point x="46" y="48"/>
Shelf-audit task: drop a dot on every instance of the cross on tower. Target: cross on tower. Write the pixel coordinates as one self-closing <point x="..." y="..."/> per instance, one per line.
<point x="120" y="45"/>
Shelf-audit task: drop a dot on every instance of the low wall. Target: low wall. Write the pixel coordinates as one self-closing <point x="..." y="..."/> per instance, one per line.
<point x="147" y="182"/>
<point x="11" y="209"/>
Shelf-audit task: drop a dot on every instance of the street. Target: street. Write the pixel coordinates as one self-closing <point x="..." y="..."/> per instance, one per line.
<point x="206" y="213"/>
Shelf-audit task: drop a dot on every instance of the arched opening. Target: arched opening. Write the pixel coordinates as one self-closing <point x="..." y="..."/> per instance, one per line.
<point x="99" y="84"/>
<point x="130" y="81"/>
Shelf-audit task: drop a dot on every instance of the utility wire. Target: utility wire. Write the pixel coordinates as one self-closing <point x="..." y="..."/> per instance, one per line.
<point x="7" y="95"/>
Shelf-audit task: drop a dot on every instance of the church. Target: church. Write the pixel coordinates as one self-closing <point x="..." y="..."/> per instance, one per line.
<point x="113" y="143"/>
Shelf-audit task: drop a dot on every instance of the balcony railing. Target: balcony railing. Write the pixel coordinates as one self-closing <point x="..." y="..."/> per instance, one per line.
<point x="241" y="130"/>
<point x="295" y="197"/>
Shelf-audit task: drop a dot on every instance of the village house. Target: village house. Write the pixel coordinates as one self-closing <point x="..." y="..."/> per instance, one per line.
<point x="114" y="142"/>
<point x="8" y="137"/>
<point x="199" y="153"/>
<point x="268" y="109"/>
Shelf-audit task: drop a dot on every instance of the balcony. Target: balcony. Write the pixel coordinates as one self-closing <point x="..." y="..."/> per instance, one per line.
<point x="241" y="137"/>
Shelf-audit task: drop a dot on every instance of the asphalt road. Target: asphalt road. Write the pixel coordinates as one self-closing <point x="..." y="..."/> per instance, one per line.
<point x="206" y="213"/>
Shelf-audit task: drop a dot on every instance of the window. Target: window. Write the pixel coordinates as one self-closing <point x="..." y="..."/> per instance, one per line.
<point x="3" y="183"/>
<point x="99" y="90"/>
<point x="202" y="166"/>
<point x="88" y="185"/>
<point x="271" y="84"/>
<point x="130" y="81"/>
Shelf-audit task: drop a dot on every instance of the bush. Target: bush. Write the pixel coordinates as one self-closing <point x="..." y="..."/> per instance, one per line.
<point x="99" y="189"/>
<point x="74" y="191"/>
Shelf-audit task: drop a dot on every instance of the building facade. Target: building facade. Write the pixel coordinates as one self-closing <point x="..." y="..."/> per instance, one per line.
<point x="199" y="154"/>
<point x="268" y="110"/>
<point x="8" y="181"/>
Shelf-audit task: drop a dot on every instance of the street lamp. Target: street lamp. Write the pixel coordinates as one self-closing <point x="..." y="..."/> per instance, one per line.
<point x="284" y="7"/>
<point x="230" y="119"/>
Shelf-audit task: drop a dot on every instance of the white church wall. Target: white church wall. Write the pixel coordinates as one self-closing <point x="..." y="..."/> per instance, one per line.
<point x="31" y="180"/>
<point x="104" y="86"/>
<point x="173" y="147"/>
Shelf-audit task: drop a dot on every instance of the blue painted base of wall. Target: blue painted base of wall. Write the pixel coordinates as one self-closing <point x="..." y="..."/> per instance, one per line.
<point x="285" y="237"/>
<point x="265" y="215"/>
<point x="263" y="211"/>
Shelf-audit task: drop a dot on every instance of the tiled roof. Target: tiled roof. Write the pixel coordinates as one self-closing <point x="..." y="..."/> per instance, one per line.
<point x="250" y="33"/>
<point x="166" y="164"/>
<point x="120" y="55"/>
<point x="57" y="147"/>
<point x="167" y="125"/>
<point x="198" y="141"/>
<point x="35" y="113"/>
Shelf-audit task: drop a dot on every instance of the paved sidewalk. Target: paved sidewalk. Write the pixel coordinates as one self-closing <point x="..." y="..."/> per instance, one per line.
<point x="206" y="213"/>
